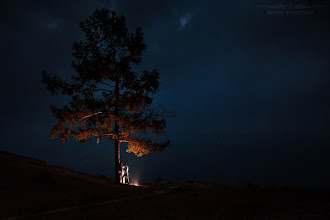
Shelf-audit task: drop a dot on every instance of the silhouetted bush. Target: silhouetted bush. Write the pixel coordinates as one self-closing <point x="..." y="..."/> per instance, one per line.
<point x="159" y="180"/>
<point x="253" y="186"/>
<point x="190" y="180"/>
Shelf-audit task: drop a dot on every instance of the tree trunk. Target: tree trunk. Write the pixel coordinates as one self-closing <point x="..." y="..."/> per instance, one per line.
<point x="117" y="162"/>
<point x="117" y="142"/>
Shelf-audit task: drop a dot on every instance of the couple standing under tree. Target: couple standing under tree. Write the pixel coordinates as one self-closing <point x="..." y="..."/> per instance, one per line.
<point x="124" y="173"/>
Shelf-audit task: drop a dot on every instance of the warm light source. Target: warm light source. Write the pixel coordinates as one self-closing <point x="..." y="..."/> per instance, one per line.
<point x="135" y="183"/>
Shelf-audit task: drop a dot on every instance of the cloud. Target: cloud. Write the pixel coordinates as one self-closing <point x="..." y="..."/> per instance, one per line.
<point x="184" y="20"/>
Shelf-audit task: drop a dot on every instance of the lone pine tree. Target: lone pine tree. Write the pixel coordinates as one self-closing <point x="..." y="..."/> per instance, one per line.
<point x="109" y="99"/>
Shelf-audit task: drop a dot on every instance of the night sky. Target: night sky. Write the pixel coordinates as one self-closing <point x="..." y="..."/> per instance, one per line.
<point x="250" y="89"/>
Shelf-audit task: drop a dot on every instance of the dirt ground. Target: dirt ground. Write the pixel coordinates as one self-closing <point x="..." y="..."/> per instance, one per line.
<point x="31" y="189"/>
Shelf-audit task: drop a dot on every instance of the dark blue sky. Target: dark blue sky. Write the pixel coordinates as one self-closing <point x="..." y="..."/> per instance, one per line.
<point x="250" y="89"/>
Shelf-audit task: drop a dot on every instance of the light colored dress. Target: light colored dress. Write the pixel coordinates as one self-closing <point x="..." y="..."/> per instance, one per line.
<point x="124" y="174"/>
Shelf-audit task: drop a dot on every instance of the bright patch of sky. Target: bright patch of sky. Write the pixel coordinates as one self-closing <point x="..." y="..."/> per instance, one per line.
<point x="184" y="20"/>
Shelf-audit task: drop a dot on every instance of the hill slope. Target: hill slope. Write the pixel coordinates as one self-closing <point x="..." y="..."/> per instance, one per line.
<point x="31" y="188"/>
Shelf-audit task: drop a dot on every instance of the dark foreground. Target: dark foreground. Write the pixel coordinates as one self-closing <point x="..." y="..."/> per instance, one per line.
<point x="31" y="189"/>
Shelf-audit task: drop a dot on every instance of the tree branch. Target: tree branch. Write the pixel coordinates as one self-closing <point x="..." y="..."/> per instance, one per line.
<point x="99" y="89"/>
<point x="123" y="141"/>
<point x="90" y="115"/>
<point x="107" y="84"/>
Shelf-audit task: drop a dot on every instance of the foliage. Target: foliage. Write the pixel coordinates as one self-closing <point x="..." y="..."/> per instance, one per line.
<point x="109" y="99"/>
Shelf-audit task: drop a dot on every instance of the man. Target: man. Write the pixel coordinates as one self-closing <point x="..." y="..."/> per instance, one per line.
<point x="124" y="173"/>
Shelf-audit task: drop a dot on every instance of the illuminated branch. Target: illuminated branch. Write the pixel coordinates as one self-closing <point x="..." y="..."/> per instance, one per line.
<point x="123" y="141"/>
<point x="90" y="115"/>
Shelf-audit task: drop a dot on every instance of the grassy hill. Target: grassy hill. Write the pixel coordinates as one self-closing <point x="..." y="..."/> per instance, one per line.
<point x="29" y="186"/>
<point x="32" y="189"/>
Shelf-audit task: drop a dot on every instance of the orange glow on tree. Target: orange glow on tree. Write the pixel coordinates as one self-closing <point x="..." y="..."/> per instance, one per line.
<point x="136" y="148"/>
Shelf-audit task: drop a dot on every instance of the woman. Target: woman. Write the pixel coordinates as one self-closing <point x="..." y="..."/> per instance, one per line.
<point x="124" y="174"/>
